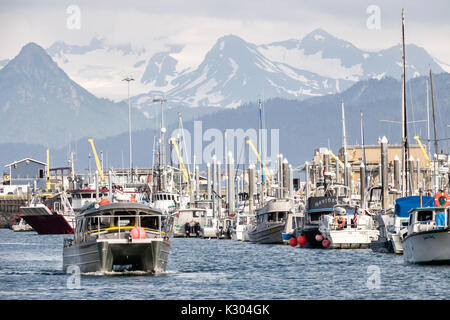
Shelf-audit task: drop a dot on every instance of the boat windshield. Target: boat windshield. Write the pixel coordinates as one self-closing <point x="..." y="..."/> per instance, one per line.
<point x="424" y="216"/>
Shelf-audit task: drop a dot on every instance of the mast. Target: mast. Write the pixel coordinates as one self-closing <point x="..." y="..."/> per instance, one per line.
<point x="344" y="144"/>
<point x="436" y="149"/>
<point x="404" y="119"/>
<point x="428" y="123"/>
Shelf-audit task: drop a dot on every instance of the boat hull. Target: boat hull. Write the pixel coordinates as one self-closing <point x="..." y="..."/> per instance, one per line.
<point x="351" y="239"/>
<point x="48" y="224"/>
<point x="430" y="247"/>
<point x="147" y="255"/>
<point x="271" y="234"/>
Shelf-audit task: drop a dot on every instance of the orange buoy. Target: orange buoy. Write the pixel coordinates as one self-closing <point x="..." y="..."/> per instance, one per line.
<point x="137" y="233"/>
<point x="441" y="199"/>
<point x="104" y="201"/>
<point x="133" y="199"/>
<point x="319" y="237"/>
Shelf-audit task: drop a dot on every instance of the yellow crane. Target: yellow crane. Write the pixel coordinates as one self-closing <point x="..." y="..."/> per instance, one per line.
<point x="180" y="158"/>
<point x="97" y="161"/>
<point x="424" y="151"/>
<point x="249" y="142"/>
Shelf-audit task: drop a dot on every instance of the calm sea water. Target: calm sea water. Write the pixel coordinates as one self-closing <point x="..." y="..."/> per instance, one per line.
<point x="199" y="269"/>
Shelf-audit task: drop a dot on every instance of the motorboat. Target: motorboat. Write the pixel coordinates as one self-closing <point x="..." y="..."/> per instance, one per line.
<point x="270" y="220"/>
<point x="120" y="237"/>
<point x="189" y="222"/>
<point x="428" y="238"/>
<point x="347" y="227"/>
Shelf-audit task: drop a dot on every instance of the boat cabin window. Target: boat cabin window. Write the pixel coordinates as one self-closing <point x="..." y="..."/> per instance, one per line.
<point x="282" y="216"/>
<point x="76" y="196"/>
<point x="124" y="220"/>
<point x="151" y="222"/>
<point x="424" y="216"/>
<point x="404" y="223"/>
<point x="198" y="214"/>
<point x="316" y="216"/>
<point x="272" y="217"/>
<point x="86" y="195"/>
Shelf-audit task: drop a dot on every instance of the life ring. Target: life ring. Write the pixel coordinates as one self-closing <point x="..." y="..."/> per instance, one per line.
<point x="341" y="221"/>
<point x="441" y="199"/>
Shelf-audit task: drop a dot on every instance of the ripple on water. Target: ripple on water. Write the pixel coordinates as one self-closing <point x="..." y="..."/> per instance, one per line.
<point x="31" y="268"/>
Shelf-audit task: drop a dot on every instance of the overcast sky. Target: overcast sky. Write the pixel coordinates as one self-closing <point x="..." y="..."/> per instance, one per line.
<point x="198" y="23"/>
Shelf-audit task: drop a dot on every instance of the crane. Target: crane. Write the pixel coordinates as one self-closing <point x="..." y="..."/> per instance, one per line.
<point x="180" y="158"/>
<point x="424" y="151"/>
<point x="97" y="161"/>
<point x="249" y="142"/>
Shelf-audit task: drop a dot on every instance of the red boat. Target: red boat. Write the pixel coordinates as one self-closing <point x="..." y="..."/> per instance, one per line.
<point x="53" y="214"/>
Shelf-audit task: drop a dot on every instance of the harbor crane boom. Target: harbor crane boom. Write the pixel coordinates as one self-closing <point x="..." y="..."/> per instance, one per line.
<point x="423" y="151"/>
<point x="97" y="161"/>
<point x="249" y="142"/>
<point x="180" y="158"/>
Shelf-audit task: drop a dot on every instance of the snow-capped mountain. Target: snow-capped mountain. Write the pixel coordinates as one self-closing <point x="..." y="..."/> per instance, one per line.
<point x="233" y="71"/>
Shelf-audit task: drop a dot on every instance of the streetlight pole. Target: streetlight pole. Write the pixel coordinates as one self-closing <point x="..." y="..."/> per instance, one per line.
<point x="163" y="131"/>
<point x="128" y="79"/>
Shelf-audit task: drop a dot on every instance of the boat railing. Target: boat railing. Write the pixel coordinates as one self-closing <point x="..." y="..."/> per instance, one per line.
<point x="118" y="231"/>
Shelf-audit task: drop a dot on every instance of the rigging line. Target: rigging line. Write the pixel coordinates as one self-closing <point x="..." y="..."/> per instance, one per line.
<point x="439" y="115"/>
<point x="412" y="108"/>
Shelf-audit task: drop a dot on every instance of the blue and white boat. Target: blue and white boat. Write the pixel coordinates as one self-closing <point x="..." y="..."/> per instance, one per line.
<point x="428" y="237"/>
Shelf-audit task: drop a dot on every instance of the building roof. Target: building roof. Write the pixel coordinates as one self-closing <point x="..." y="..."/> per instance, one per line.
<point x="26" y="159"/>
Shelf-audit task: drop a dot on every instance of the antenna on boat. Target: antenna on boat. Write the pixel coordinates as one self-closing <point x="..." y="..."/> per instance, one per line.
<point x="128" y="80"/>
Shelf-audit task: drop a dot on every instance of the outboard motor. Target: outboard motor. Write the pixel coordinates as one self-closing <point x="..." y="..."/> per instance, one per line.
<point x="197" y="229"/>
<point x="187" y="229"/>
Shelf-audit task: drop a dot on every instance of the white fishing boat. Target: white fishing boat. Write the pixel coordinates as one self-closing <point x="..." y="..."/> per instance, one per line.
<point x="240" y="223"/>
<point x="347" y="227"/>
<point x="428" y="237"/>
<point x="189" y="222"/>
<point x="120" y="236"/>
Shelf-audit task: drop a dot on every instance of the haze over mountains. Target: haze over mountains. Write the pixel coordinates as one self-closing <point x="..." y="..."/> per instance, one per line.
<point x="42" y="104"/>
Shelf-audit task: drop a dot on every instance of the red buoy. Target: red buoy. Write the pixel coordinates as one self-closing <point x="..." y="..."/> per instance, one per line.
<point x="301" y="240"/>
<point x="137" y="233"/>
<point x="326" y="243"/>
<point x="319" y="237"/>
<point x="293" y="242"/>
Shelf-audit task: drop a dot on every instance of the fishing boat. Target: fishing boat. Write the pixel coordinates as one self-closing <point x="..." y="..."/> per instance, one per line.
<point x="241" y="221"/>
<point x="120" y="236"/>
<point x="189" y="222"/>
<point x="50" y="213"/>
<point x="428" y="238"/>
<point x="347" y="227"/>
<point x="270" y="220"/>
<point x="316" y="208"/>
